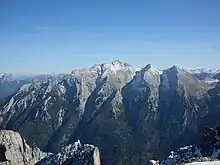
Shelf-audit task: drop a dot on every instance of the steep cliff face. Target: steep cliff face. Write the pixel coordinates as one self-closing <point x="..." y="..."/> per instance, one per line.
<point x="14" y="150"/>
<point x="160" y="111"/>
<point x="182" y="103"/>
<point x="52" y="110"/>
<point x="131" y="117"/>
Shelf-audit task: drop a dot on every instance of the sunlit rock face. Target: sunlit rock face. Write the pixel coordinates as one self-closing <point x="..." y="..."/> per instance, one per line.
<point x="14" y="150"/>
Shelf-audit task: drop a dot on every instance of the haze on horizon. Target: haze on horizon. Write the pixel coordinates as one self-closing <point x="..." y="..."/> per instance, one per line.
<point x="58" y="36"/>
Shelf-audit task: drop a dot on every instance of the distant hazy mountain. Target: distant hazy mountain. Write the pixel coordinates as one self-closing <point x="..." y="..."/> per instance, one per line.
<point x="202" y="73"/>
<point x="9" y="85"/>
<point x="131" y="116"/>
<point x="43" y="78"/>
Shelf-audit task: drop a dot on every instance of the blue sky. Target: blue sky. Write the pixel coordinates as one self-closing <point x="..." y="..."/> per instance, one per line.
<point x="38" y="36"/>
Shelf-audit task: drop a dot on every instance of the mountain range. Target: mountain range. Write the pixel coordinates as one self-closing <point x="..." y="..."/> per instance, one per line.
<point x="131" y="116"/>
<point x="9" y="85"/>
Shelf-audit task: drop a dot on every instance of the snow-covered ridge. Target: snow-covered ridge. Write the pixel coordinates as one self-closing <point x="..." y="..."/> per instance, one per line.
<point x="203" y="70"/>
<point x="6" y="77"/>
<point x="116" y="66"/>
<point x="152" y="69"/>
<point x="182" y="155"/>
<point x="81" y="153"/>
<point x="118" y="74"/>
<point x="212" y="81"/>
<point x="104" y="69"/>
<point x="149" y="74"/>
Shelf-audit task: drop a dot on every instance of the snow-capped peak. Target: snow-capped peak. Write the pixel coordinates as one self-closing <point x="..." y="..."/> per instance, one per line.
<point x="149" y="74"/>
<point x="202" y="70"/>
<point x="112" y="67"/>
<point x="174" y="67"/>
<point x="115" y="62"/>
<point x="137" y="69"/>
<point x="152" y="69"/>
<point x="3" y="74"/>
<point x="116" y="65"/>
<point x="6" y="77"/>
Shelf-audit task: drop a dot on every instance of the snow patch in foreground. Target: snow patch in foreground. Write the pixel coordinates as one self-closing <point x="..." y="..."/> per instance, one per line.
<point x="205" y="163"/>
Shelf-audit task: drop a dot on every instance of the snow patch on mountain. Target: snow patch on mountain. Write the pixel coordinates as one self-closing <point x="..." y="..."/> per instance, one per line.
<point x="182" y="155"/>
<point x="62" y="89"/>
<point x="212" y="81"/>
<point x="115" y="66"/>
<point x="8" y="106"/>
<point x="48" y="89"/>
<point x="25" y="87"/>
<point x="137" y="69"/>
<point x="46" y="103"/>
<point x="60" y="115"/>
<point x="208" y="149"/>
<point x="43" y="113"/>
<point x="105" y="74"/>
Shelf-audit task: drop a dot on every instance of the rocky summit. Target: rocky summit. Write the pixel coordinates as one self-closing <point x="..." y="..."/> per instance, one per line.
<point x="131" y="116"/>
<point x="15" y="151"/>
<point x="74" y="154"/>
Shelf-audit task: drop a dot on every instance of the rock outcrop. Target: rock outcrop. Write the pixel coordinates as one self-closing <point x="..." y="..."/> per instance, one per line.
<point x="15" y="151"/>
<point x="74" y="154"/>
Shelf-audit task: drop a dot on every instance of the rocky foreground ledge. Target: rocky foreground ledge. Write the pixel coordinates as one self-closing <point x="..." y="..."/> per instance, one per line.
<point x="15" y="151"/>
<point x="207" y="151"/>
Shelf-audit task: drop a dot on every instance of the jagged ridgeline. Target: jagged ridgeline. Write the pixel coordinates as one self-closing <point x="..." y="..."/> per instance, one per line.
<point x="9" y="85"/>
<point x="130" y="116"/>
